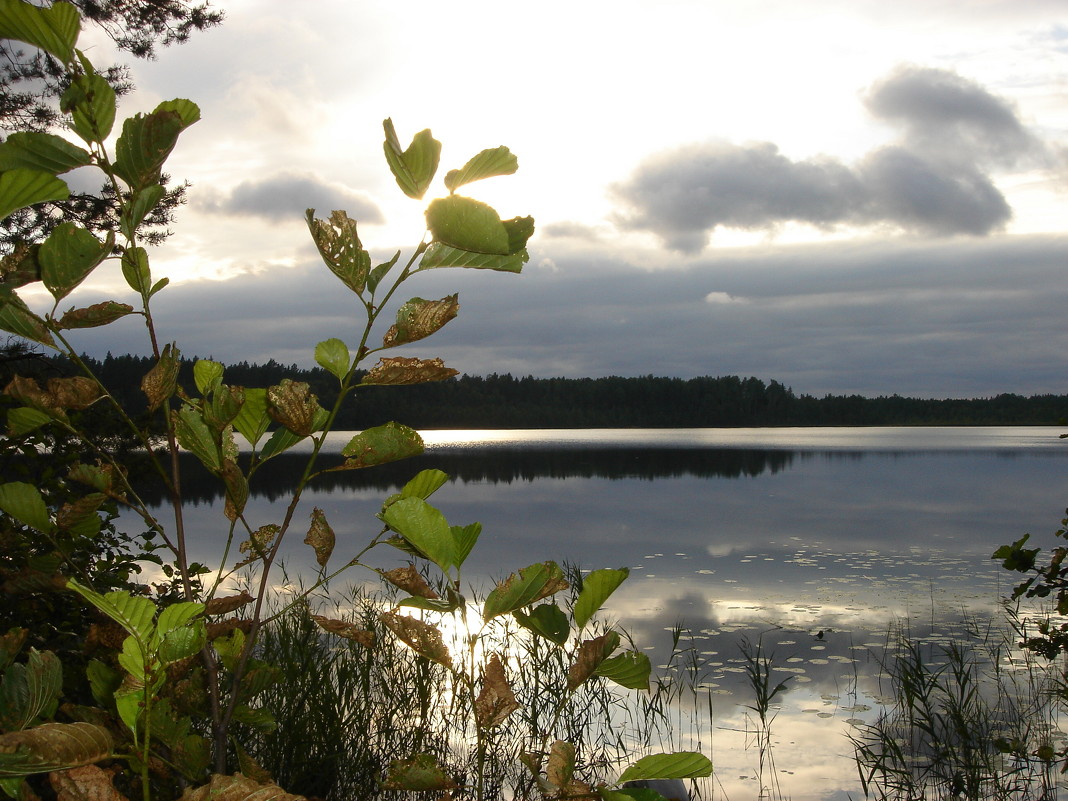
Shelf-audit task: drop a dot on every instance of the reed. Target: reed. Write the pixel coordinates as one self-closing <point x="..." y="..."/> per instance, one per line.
<point x="970" y="719"/>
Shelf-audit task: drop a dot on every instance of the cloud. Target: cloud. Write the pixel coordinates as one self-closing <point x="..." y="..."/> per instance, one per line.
<point x="286" y="196"/>
<point x="934" y="181"/>
<point x="948" y="117"/>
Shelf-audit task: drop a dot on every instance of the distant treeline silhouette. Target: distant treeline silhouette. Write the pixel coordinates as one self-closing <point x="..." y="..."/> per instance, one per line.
<point x="504" y="401"/>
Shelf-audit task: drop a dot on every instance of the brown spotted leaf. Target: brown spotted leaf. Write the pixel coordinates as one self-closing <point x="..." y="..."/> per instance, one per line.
<point x="77" y="392"/>
<point x="96" y="315"/>
<point x="320" y="537"/>
<point x="222" y="606"/>
<point x="591" y="654"/>
<point x="410" y="580"/>
<point x="341" y="249"/>
<point x="236" y="489"/>
<point x="161" y="381"/>
<point x="87" y="783"/>
<point x="237" y="788"/>
<point x="496" y="701"/>
<point x="423" y="638"/>
<point x="399" y="370"/>
<point x="258" y="545"/>
<point x="561" y="765"/>
<point x="70" y="514"/>
<point x="292" y="404"/>
<point x="350" y="631"/>
<point x="418" y="319"/>
<point x="421" y="772"/>
<point x="55" y="746"/>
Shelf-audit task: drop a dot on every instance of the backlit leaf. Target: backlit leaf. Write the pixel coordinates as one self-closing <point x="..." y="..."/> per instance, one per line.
<point x="136" y="271"/>
<point x="441" y="255"/>
<point x="94" y="316"/>
<point x="415" y="167"/>
<point x="24" y="502"/>
<point x="292" y="404"/>
<point x="140" y="206"/>
<point x="339" y="244"/>
<point x="488" y="163"/>
<point x="629" y="669"/>
<point x="194" y="435"/>
<point x="420" y="318"/>
<point x="523" y="588"/>
<point x="53" y="29"/>
<point x="132" y="613"/>
<point x="252" y="421"/>
<point x="333" y="356"/>
<point x="385" y="443"/>
<point x="68" y="255"/>
<point x="467" y="224"/>
<point x="343" y="628"/>
<point x="23" y="187"/>
<point x="399" y="370"/>
<point x="90" y="101"/>
<point x="16" y="318"/>
<point x="597" y="586"/>
<point x="421" y="637"/>
<point x="561" y="764"/>
<point x="590" y="655"/>
<point x="41" y="151"/>
<point x="681" y="765"/>
<point x="465" y="538"/>
<point x="161" y="381"/>
<point x="207" y="375"/>
<point x="409" y="579"/>
<point x="495" y="701"/>
<point x="425" y="528"/>
<point x="143" y="146"/>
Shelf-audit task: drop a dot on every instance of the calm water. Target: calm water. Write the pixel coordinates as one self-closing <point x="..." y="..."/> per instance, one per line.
<point x="773" y="534"/>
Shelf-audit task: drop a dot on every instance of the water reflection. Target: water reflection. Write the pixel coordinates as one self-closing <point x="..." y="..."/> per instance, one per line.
<point x="777" y="544"/>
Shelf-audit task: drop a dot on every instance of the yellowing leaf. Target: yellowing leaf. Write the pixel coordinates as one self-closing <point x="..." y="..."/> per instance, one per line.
<point x="399" y="370"/>
<point x="320" y="537"/>
<point x="420" y="318"/>
<point x="496" y="701"/>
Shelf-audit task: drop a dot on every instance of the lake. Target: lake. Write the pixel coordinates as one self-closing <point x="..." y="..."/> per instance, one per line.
<point x="812" y="541"/>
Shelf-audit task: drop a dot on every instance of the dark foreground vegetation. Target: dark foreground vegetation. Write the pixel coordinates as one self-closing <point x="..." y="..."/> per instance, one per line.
<point x="504" y="401"/>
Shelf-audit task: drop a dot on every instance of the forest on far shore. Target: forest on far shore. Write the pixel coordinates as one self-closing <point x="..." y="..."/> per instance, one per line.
<point x="504" y="401"/>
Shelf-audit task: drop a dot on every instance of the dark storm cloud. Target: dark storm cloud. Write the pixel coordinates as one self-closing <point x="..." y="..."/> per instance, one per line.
<point x="933" y="181"/>
<point x="286" y="197"/>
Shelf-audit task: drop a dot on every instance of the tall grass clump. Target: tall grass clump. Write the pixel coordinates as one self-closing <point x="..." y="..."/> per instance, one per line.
<point x="971" y="719"/>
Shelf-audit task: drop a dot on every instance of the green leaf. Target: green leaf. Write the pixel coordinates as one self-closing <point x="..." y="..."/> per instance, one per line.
<point x="90" y="101"/>
<point x="68" y="256"/>
<point x="260" y="719"/>
<point x="143" y="146"/>
<point x="133" y="659"/>
<point x="140" y="206"/>
<point x="188" y="111"/>
<point x="194" y="435"/>
<point x="339" y="244"/>
<point x="23" y="187"/>
<point x="487" y="164"/>
<point x="629" y="669"/>
<point x="177" y="615"/>
<point x="183" y="642"/>
<point x="24" y="420"/>
<point x="424" y="484"/>
<point x="681" y="765"/>
<point x="41" y="151"/>
<point x="136" y="271"/>
<point x="425" y="528"/>
<point x="30" y="691"/>
<point x="54" y="29"/>
<point x="132" y="613"/>
<point x="465" y="538"/>
<point x="546" y="620"/>
<point x="378" y="273"/>
<point x="440" y="255"/>
<point x="103" y="681"/>
<point x="467" y="224"/>
<point x="523" y="588"/>
<point x="207" y="375"/>
<point x="16" y="318"/>
<point x="596" y="588"/>
<point x="24" y="502"/>
<point x="281" y="440"/>
<point x="381" y="444"/>
<point x="129" y="702"/>
<point x="333" y="356"/>
<point x="415" y="167"/>
<point x="520" y="229"/>
<point x="253" y="420"/>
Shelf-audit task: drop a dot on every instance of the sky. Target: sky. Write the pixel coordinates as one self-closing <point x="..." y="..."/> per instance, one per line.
<point x="846" y="196"/>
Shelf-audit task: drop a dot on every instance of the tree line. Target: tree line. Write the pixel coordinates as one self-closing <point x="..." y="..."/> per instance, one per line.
<point x="505" y="401"/>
